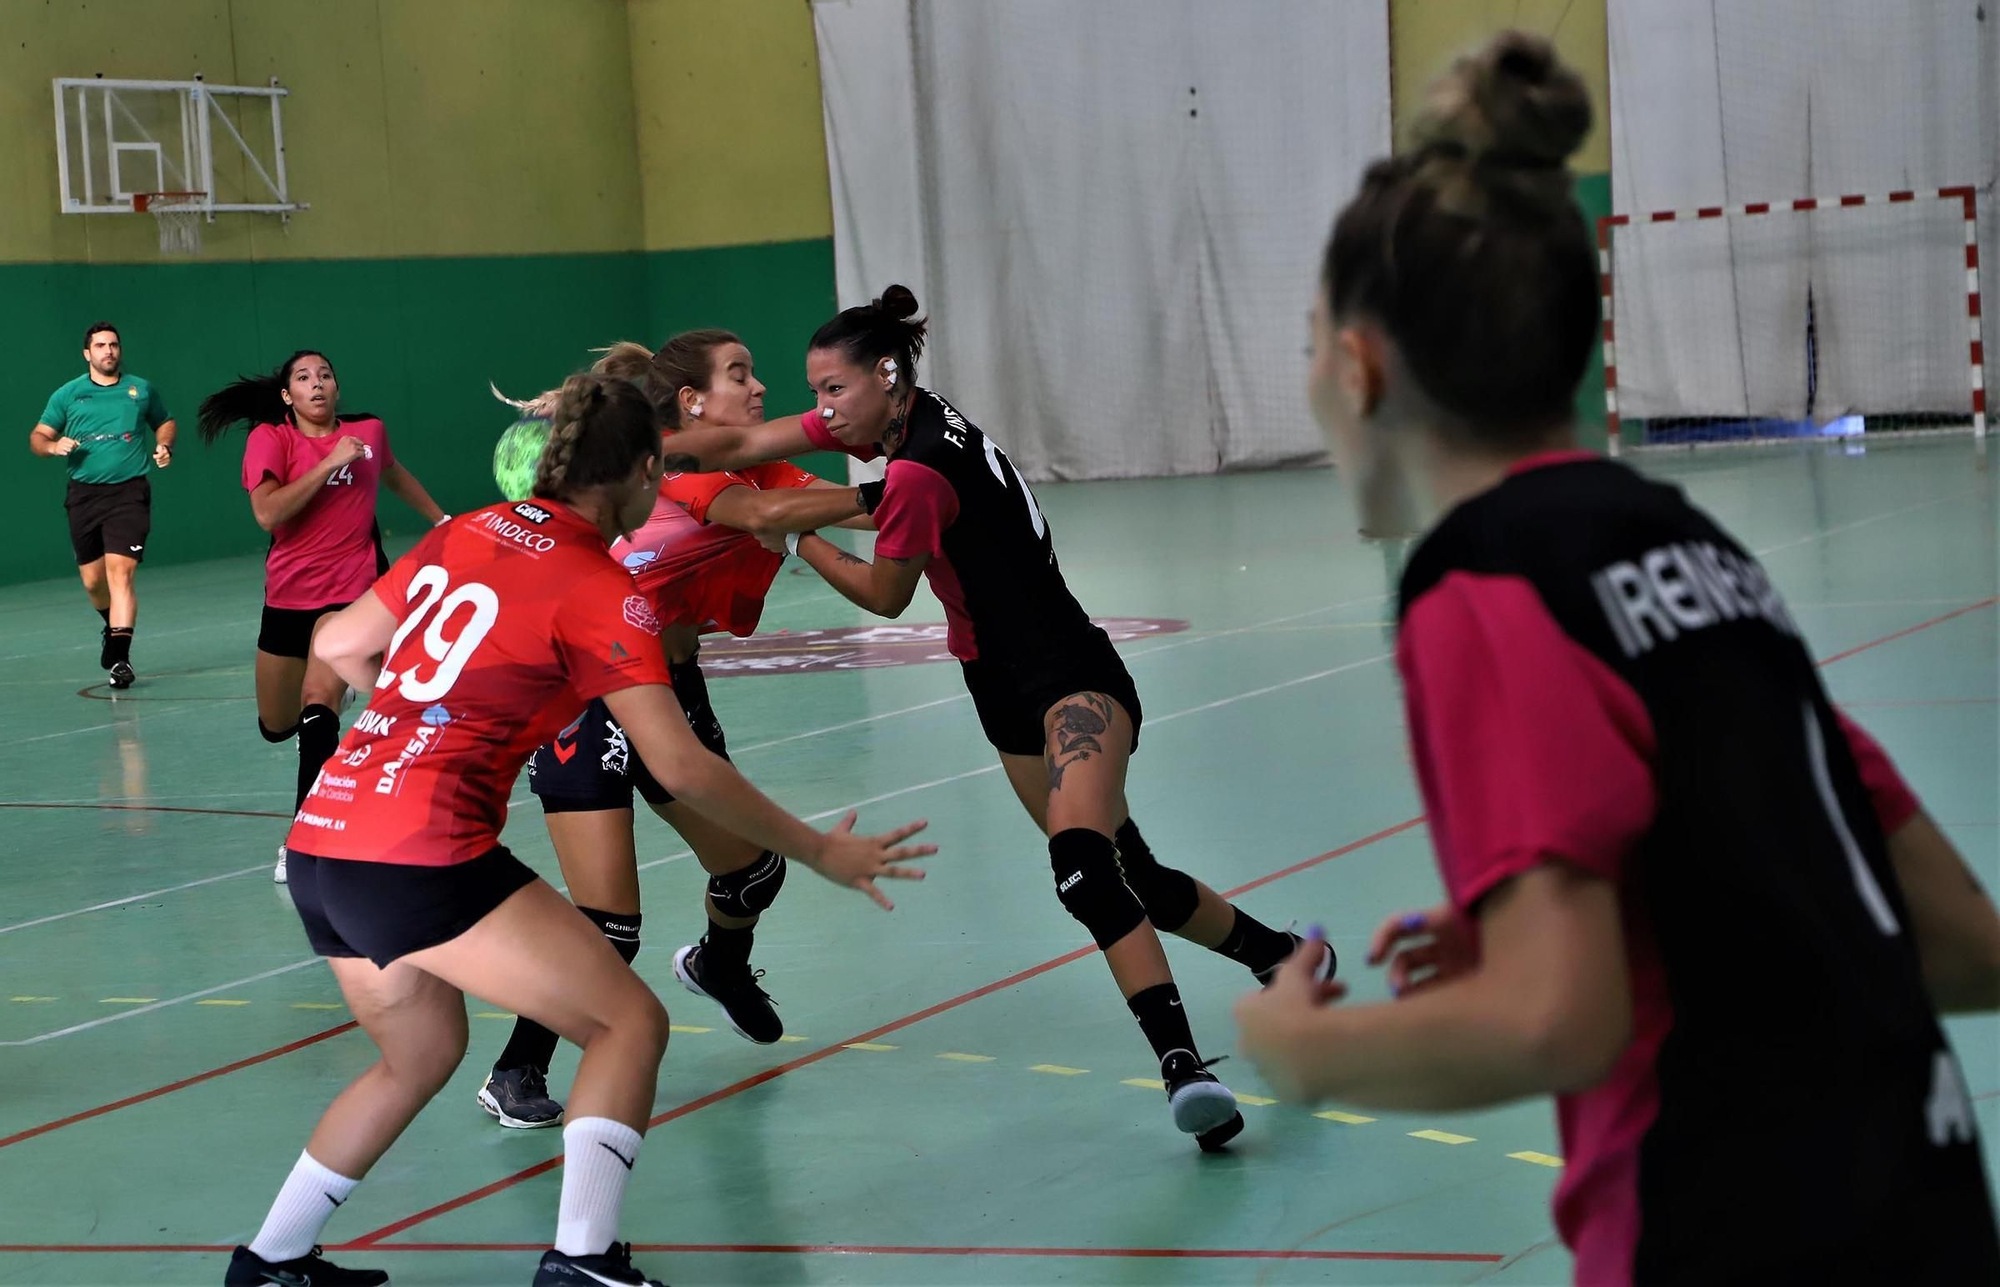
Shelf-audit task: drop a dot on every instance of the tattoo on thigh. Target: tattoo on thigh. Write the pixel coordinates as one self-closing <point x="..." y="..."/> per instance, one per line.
<point x="1079" y="724"/>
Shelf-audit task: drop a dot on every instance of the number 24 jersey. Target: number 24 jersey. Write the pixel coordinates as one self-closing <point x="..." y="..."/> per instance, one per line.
<point x="509" y="620"/>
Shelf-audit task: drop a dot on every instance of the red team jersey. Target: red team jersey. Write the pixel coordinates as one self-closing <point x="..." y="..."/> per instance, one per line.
<point x="702" y="574"/>
<point x="326" y="553"/>
<point x="511" y="619"/>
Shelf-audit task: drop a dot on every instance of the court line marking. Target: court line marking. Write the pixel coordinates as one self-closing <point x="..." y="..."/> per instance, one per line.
<point x="135" y="1011"/>
<point x="870" y="1036"/>
<point x="132" y="898"/>
<point x="825" y="1249"/>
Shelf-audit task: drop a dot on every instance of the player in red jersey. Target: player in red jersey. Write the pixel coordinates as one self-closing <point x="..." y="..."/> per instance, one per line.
<point x="702" y="575"/>
<point x="312" y="475"/>
<point x="1052" y="694"/>
<point x="489" y="635"/>
<point x="1687" y="897"/>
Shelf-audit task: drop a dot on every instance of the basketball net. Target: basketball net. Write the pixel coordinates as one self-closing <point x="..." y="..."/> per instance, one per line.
<point x="179" y="215"/>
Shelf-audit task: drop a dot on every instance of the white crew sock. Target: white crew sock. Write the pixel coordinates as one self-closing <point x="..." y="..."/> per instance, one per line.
<point x="309" y="1198"/>
<point x="598" y="1154"/>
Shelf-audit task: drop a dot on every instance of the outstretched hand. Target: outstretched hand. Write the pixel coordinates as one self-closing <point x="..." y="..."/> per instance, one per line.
<point x="859" y="861"/>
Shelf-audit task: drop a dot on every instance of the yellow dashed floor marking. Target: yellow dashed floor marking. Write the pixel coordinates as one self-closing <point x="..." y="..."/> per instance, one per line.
<point x="1350" y="1119"/>
<point x="1059" y="1070"/>
<point x="127" y="1000"/>
<point x="1539" y="1159"/>
<point x="867" y="1045"/>
<point x="959" y="1057"/>
<point x="1442" y="1137"/>
<point x="1143" y="1083"/>
<point x="221" y="1001"/>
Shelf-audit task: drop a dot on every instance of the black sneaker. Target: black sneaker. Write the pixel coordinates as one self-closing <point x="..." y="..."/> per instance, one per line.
<point x="748" y="1007"/>
<point x="248" y="1269"/>
<point x="1202" y="1106"/>
<point x="104" y="650"/>
<point x="1327" y="965"/>
<point x="613" y="1269"/>
<point x="121" y="674"/>
<point x="518" y="1098"/>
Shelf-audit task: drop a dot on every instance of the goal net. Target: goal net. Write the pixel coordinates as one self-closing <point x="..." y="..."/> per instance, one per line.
<point x="1798" y="317"/>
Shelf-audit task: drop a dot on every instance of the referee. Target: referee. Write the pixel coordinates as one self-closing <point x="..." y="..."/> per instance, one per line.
<point x="95" y="424"/>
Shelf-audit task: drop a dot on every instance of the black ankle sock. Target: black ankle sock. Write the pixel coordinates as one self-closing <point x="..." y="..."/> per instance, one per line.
<point x="1162" y="1018"/>
<point x="531" y="1046"/>
<point x="106" y="614"/>
<point x="118" y="645"/>
<point x="1252" y="943"/>
<point x="728" y="948"/>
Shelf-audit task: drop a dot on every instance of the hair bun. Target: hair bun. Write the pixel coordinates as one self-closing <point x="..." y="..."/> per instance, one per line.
<point x="899" y="302"/>
<point x="1510" y="104"/>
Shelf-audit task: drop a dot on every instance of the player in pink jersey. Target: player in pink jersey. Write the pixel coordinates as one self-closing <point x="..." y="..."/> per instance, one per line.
<point x="312" y="475"/>
<point x="698" y="563"/>
<point x="488" y="635"/>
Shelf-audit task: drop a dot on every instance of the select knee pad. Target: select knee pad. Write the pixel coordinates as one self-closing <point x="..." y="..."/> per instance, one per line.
<point x="1091" y="886"/>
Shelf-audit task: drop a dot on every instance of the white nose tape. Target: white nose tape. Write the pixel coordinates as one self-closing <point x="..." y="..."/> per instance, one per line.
<point x="827" y="414"/>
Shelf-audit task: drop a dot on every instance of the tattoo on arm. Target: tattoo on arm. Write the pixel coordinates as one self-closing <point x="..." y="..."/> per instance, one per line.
<point x="845" y="557"/>
<point x="679" y="462"/>
<point x="1079" y="724"/>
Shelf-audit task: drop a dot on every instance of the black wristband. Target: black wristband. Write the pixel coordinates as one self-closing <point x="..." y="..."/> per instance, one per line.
<point x="871" y="495"/>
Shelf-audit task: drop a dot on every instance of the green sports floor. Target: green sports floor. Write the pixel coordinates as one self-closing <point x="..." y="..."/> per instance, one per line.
<point x="960" y="1098"/>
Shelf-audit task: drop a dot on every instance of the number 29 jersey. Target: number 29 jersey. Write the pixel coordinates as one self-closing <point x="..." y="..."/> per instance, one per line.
<point x="509" y="620"/>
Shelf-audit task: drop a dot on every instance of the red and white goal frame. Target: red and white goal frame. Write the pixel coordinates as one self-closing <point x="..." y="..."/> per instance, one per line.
<point x="1964" y="194"/>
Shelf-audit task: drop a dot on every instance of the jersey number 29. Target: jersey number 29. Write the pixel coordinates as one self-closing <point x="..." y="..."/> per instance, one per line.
<point x="450" y="654"/>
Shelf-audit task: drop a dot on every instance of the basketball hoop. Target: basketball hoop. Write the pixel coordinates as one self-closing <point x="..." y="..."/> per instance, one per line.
<point x="179" y="215"/>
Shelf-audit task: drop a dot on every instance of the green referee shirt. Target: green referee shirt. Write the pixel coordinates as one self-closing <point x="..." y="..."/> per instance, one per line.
<point x="106" y="420"/>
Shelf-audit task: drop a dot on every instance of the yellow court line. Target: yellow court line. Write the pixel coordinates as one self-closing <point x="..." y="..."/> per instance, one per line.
<point x="961" y="1058"/>
<point x="1539" y="1159"/>
<point x="220" y="1001"/>
<point x="492" y="1014"/>
<point x="683" y="1027"/>
<point x="1143" y="1083"/>
<point x="1442" y="1137"/>
<point x="317" y="1005"/>
<point x="1059" y="1070"/>
<point x="1257" y="1101"/>
<point x="1349" y="1119"/>
<point x="867" y="1045"/>
<point x="789" y="1037"/>
<point x="31" y="998"/>
<point x="127" y="1000"/>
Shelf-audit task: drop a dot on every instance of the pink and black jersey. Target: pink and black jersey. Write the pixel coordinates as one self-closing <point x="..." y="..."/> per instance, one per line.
<point x="952" y="494"/>
<point x="1596" y="674"/>
<point x="328" y="553"/>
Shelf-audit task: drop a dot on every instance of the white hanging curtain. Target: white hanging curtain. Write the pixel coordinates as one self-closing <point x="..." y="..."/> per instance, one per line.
<point x="1115" y="211"/>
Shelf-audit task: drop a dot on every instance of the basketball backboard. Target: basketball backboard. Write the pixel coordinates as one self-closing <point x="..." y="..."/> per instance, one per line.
<point x="119" y="139"/>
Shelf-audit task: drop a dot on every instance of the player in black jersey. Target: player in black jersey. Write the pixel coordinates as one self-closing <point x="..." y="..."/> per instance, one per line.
<point x="1687" y="898"/>
<point x="1051" y="692"/>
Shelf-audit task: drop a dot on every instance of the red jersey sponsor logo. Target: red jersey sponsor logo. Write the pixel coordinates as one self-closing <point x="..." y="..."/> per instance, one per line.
<point x="639" y="613"/>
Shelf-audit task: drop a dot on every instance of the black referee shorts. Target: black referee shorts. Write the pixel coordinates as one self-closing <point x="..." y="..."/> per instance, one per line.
<point x="110" y="518"/>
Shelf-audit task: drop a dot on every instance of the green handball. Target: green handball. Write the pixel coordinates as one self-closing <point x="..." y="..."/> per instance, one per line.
<point x="517" y="455"/>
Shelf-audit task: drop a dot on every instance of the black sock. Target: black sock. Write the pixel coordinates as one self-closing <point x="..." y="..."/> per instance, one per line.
<point x="1252" y="943"/>
<point x="319" y="738"/>
<point x="532" y="1045"/>
<point x="1162" y="1018"/>
<point x="728" y="949"/>
<point x="106" y="614"/>
<point x="118" y="645"/>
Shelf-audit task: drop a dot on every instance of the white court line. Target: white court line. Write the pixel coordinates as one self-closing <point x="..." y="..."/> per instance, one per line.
<point x="1863" y="522"/>
<point x="812" y="817"/>
<point x="150" y="635"/>
<point x="38" y="1038"/>
<point x="130" y="898"/>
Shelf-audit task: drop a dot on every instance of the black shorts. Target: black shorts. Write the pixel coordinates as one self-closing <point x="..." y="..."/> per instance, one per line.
<point x="590" y="766"/>
<point x="288" y="632"/>
<point x="1013" y="701"/>
<point x="385" y="911"/>
<point x="110" y="517"/>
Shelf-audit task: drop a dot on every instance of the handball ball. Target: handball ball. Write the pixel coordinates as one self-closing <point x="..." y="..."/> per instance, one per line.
<point x="517" y="455"/>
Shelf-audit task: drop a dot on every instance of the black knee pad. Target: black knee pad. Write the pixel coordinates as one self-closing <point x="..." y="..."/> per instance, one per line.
<point x="1091" y="886"/>
<point x="621" y="928"/>
<point x="748" y="891"/>
<point x="319" y="733"/>
<point x="270" y="736"/>
<point x="1170" y="895"/>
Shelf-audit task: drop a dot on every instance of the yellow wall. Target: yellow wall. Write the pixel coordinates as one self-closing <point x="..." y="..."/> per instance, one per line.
<point x="415" y="127"/>
<point x="731" y="146"/>
<point x="1425" y="35"/>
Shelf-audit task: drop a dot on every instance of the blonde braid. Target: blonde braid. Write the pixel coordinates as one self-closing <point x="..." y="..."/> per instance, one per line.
<point x="581" y="397"/>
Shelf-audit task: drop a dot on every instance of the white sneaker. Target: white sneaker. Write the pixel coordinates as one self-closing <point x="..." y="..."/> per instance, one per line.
<point x="278" y="872"/>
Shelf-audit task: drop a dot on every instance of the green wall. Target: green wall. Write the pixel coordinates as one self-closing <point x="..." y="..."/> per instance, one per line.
<point x="414" y="340"/>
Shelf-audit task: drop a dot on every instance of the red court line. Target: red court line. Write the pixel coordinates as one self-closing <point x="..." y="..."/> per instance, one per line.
<point x="1921" y="625"/>
<point x="145" y="808"/>
<point x="748" y="1083"/>
<point x="843" y="1249"/>
<point x="171" y="1087"/>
